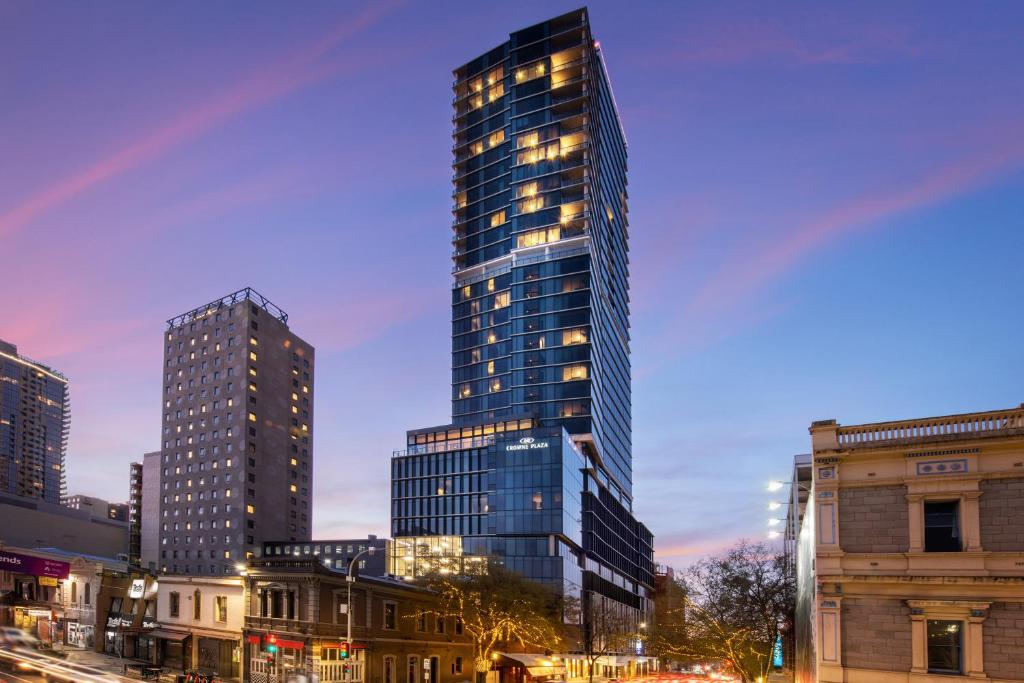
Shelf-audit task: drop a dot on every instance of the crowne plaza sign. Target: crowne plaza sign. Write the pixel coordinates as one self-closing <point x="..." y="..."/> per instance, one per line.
<point x="525" y="444"/>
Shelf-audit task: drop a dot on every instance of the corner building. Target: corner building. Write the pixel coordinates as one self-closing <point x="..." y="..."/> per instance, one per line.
<point x="236" y="466"/>
<point x="536" y="468"/>
<point x="910" y="563"/>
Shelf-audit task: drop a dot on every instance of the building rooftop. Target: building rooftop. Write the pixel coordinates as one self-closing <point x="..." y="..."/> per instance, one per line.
<point x="247" y="294"/>
<point x="985" y="424"/>
<point x="10" y="351"/>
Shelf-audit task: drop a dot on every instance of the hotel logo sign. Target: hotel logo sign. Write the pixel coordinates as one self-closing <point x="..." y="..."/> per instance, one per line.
<point x="526" y="443"/>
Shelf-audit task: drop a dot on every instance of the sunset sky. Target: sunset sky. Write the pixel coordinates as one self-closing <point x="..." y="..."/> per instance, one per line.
<point x="826" y="217"/>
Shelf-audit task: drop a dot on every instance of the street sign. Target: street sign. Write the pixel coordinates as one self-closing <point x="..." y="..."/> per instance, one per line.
<point x="777" y="652"/>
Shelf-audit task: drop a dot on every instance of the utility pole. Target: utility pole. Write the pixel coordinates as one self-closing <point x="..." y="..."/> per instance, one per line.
<point x="349" y="580"/>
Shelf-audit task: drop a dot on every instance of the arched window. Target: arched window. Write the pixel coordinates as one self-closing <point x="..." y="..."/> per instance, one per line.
<point x="414" y="669"/>
<point x="389" y="669"/>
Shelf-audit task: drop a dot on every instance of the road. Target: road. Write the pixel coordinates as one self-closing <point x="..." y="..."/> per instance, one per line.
<point x="28" y="666"/>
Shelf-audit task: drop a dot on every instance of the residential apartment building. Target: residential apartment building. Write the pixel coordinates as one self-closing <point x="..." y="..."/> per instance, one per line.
<point x="35" y="416"/>
<point x="535" y="470"/>
<point x="236" y="462"/>
<point x="912" y="551"/>
<point x="301" y="608"/>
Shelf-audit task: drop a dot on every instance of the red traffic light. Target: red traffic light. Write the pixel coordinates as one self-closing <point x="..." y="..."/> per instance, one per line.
<point x="344" y="650"/>
<point x="271" y="638"/>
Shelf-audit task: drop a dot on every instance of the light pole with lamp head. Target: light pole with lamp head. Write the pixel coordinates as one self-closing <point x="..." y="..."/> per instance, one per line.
<point x="349" y="580"/>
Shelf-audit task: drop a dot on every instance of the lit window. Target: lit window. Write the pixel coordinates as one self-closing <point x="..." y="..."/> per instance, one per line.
<point x="536" y="237"/>
<point x="527" y="190"/>
<point x="465" y="391"/>
<point x="252" y="355"/>
<point x="496" y="138"/>
<point x="253" y="341"/>
<point x="528" y="140"/>
<point x="476" y="148"/>
<point x="293" y="488"/>
<point x="465" y="292"/>
<point x="501" y="300"/>
<point x="490" y="285"/>
<point x="492" y="337"/>
<point x="531" y="205"/>
<point x="496" y="219"/>
<point x="251" y="509"/>
<point x="495" y="385"/>
<point x="252" y="417"/>
<point x="570" y="372"/>
<point x="574" y="336"/>
<point x="293" y="462"/>
<point x="490" y="367"/>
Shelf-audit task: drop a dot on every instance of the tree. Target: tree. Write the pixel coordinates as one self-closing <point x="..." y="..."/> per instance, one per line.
<point x="734" y="609"/>
<point x="497" y="609"/>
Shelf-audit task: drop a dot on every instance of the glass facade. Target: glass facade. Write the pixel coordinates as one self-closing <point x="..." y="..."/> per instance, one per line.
<point x="540" y="301"/>
<point x="535" y="470"/>
<point x="35" y="416"/>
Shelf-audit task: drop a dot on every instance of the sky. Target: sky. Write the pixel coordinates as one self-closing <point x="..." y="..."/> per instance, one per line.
<point x="826" y="221"/>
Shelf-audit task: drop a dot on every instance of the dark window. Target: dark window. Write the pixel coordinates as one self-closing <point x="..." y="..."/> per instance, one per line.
<point x="942" y="527"/>
<point x="390" y="610"/>
<point x="421" y="620"/>
<point x="175" y="604"/>
<point x="945" y="647"/>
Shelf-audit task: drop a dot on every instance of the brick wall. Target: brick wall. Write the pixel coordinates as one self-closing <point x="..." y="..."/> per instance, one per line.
<point x="1003" y="640"/>
<point x="874" y="519"/>
<point x="876" y="634"/>
<point x="1002" y="515"/>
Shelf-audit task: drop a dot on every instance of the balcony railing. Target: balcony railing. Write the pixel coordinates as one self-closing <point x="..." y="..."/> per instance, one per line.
<point x="297" y="627"/>
<point x="987" y="424"/>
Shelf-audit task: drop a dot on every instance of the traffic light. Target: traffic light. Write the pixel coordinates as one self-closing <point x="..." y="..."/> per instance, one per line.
<point x="272" y="643"/>
<point x="344" y="650"/>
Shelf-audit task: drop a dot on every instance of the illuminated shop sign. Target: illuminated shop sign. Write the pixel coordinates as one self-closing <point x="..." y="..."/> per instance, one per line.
<point x="36" y="566"/>
<point x="526" y="443"/>
<point x="138" y="587"/>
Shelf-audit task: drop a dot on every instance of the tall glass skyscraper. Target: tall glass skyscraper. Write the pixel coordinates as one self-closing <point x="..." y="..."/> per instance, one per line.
<point x="536" y="467"/>
<point x="35" y="416"/>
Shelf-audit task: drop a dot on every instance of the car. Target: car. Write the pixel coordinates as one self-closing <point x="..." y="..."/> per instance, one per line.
<point x="16" y="639"/>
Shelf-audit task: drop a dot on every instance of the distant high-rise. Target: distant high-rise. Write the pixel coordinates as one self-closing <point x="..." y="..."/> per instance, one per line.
<point x="535" y="470"/>
<point x="35" y="416"/>
<point x="236" y="462"/>
<point x="135" y="514"/>
<point x="148" y="477"/>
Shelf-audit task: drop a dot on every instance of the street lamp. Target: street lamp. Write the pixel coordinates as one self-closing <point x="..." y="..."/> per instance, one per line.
<point x="350" y="579"/>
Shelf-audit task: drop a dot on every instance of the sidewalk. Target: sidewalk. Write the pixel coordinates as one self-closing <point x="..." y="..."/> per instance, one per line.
<point x="109" y="663"/>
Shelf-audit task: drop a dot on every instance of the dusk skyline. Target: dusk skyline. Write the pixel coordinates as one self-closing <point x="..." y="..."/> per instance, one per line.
<point x="825" y="223"/>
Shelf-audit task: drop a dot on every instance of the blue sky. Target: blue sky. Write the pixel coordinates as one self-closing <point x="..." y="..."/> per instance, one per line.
<point x="826" y="210"/>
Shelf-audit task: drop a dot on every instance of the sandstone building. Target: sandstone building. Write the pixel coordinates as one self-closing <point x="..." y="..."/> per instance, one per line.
<point x="916" y="533"/>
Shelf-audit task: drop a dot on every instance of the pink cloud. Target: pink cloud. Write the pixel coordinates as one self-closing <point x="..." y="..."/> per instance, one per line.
<point x="745" y="274"/>
<point x="300" y="69"/>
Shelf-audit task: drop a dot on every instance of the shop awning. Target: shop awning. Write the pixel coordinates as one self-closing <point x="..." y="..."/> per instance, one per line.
<point x="538" y="666"/>
<point x="176" y="636"/>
